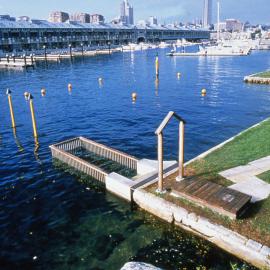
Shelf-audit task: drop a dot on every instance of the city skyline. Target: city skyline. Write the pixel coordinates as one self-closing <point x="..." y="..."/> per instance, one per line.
<point x="165" y="11"/>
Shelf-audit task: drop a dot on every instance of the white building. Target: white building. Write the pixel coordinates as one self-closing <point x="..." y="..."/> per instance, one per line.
<point x="207" y="13"/>
<point x="153" y="20"/>
<point x="58" y="17"/>
<point x="126" y="13"/>
<point x="233" y="25"/>
<point x="80" y="17"/>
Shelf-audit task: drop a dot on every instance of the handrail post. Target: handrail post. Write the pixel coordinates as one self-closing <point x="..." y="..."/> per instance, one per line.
<point x="160" y="162"/>
<point x="181" y="150"/>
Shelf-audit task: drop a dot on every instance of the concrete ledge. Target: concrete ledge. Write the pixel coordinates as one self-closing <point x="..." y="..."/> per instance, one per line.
<point x="119" y="185"/>
<point x="232" y="242"/>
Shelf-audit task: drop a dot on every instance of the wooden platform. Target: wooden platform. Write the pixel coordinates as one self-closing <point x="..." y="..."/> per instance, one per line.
<point x="220" y="199"/>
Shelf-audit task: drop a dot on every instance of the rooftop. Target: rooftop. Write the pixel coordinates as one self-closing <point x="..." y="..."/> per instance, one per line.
<point x="77" y="25"/>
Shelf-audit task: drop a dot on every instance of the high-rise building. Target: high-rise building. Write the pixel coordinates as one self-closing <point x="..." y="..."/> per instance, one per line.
<point x="97" y="18"/>
<point x="58" y="17"/>
<point x="207" y="13"/>
<point x="153" y="20"/>
<point x="126" y="13"/>
<point x="80" y="17"/>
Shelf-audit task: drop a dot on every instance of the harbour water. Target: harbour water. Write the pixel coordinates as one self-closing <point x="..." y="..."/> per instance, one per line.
<point x="48" y="218"/>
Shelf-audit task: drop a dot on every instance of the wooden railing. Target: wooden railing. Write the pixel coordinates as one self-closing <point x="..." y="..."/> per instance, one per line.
<point x="159" y="133"/>
<point x="64" y="152"/>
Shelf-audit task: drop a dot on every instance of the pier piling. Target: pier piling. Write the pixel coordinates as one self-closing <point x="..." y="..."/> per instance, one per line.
<point x="11" y="108"/>
<point x="33" y="116"/>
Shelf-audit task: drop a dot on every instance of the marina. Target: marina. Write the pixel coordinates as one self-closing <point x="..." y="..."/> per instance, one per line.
<point x="81" y="204"/>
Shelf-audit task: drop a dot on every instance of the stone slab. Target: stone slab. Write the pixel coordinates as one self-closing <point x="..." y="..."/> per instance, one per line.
<point x="255" y="187"/>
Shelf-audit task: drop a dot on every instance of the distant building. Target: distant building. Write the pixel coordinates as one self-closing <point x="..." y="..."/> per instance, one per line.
<point x="143" y="23"/>
<point x="80" y="17"/>
<point x="7" y="18"/>
<point x="97" y="19"/>
<point x="126" y="13"/>
<point x="207" y="13"/>
<point x="153" y="20"/>
<point x="23" y="18"/>
<point x="58" y="17"/>
<point x="222" y="26"/>
<point x="233" y="25"/>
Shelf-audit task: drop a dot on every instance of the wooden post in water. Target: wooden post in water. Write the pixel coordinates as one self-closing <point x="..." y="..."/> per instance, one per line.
<point x="33" y="116"/>
<point x="160" y="162"/>
<point x="181" y="150"/>
<point x="157" y="67"/>
<point x="11" y="108"/>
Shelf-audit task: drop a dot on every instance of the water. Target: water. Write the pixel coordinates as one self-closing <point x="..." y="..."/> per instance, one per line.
<point x="48" y="218"/>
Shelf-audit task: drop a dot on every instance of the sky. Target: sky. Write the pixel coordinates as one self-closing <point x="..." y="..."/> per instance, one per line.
<point x="254" y="11"/>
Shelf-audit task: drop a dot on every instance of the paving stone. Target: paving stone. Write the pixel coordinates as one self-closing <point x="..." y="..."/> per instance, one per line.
<point x="263" y="163"/>
<point x="255" y="187"/>
<point x="255" y="246"/>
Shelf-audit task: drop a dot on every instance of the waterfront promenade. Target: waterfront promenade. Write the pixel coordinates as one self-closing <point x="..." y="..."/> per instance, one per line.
<point x="64" y="223"/>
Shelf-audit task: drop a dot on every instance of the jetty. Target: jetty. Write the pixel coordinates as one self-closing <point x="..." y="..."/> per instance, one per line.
<point x="17" y="62"/>
<point x="258" y="78"/>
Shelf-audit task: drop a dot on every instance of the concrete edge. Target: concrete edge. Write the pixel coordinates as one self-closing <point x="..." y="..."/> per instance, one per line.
<point x="247" y="249"/>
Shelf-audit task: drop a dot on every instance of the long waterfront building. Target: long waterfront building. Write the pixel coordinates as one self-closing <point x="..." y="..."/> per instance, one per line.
<point x="27" y="36"/>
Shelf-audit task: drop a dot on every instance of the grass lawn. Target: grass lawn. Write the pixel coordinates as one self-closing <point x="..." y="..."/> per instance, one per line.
<point x="265" y="74"/>
<point x="248" y="146"/>
<point x="265" y="176"/>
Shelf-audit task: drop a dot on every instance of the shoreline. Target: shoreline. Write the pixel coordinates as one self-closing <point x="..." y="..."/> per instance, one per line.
<point x="229" y="240"/>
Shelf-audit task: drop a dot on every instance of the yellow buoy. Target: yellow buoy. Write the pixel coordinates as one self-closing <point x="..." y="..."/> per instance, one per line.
<point x="69" y="87"/>
<point x="134" y="96"/>
<point x="26" y="95"/>
<point x="204" y="92"/>
<point x="43" y="92"/>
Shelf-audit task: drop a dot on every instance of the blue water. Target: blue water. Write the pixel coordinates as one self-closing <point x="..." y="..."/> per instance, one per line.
<point x="48" y="219"/>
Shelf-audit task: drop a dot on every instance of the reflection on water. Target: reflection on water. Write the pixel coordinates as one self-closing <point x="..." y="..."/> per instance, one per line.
<point x="51" y="219"/>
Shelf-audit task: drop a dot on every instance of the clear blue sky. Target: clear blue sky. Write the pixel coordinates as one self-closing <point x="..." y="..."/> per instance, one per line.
<point x="256" y="11"/>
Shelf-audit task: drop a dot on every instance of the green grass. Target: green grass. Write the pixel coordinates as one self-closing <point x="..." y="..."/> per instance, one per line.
<point x="250" y="145"/>
<point x="265" y="74"/>
<point x="265" y="176"/>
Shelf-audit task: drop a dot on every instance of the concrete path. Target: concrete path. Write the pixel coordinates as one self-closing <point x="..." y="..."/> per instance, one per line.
<point x="246" y="180"/>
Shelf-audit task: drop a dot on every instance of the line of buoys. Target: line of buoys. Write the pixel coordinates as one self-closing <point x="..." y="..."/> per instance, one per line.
<point x="43" y="92"/>
<point x="134" y="96"/>
<point x="26" y="95"/>
<point x="204" y="92"/>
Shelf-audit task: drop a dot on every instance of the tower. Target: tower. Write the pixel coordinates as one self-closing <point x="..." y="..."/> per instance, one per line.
<point x="126" y="13"/>
<point x="207" y="13"/>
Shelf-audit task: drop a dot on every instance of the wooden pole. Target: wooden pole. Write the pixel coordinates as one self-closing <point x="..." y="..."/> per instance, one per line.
<point x="11" y="109"/>
<point x="160" y="162"/>
<point x="181" y="149"/>
<point x="33" y="118"/>
<point x="157" y="67"/>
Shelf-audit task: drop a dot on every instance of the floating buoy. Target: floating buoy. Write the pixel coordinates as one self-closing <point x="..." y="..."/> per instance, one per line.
<point x="100" y="80"/>
<point x="178" y="75"/>
<point x="43" y="92"/>
<point x="204" y="92"/>
<point x="69" y="87"/>
<point x="26" y="95"/>
<point x="134" y="96"/>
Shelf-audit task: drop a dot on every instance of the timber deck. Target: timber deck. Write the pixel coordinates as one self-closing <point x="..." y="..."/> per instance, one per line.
<point x="204" y="193"/>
